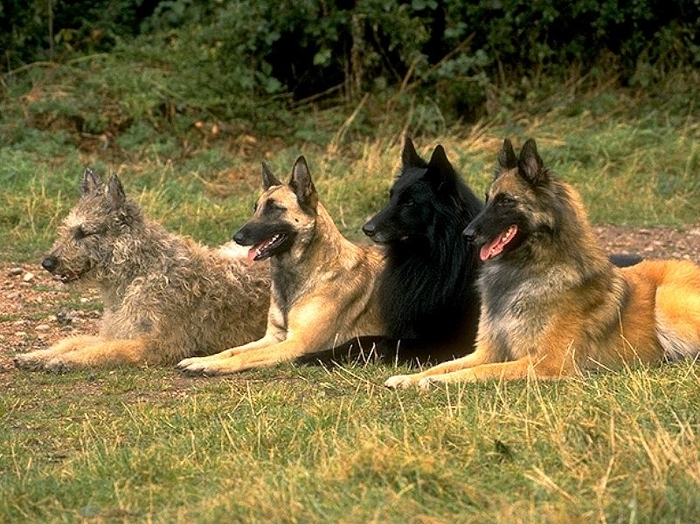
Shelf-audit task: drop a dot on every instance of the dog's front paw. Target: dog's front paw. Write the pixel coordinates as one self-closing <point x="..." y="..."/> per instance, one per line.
<point x="29" y="361"/>
<point x="202" y="366"/>
<point x="57" y="365"/>
<point x="400" y="381"/>
<point x="185" y="363"/>
<point x="192" y="366"/>
<point x="427" y="382"/>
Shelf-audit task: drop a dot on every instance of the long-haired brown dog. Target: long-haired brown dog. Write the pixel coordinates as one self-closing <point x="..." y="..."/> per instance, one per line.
<point x="552" y="303"/>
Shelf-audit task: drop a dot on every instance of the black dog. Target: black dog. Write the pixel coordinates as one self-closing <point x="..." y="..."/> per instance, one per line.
<point x="427" y="290"/>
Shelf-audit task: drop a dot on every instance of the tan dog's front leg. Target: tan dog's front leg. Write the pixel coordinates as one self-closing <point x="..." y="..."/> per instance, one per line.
<point x="480" y="356"/>
<point x="203" y="365"/>
<point x="311" y="327"/>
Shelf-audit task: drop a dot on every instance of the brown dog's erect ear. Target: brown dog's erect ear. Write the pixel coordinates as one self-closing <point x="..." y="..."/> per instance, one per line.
<point x="269" y="179"/>
<point x="303" y="187"/>
<point x="91" y="182"/>
<point x="410" y="157"/>
<point x="530" y="164"/>
<point x="506" y="158"/>
<point x="115" y="192"/>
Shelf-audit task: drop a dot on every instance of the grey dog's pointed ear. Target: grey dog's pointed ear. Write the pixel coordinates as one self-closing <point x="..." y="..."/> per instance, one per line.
<point x="91" y="182"/>
<point x="269" y="179"/>
<point x="409" y="156"/>
<point x="303" y="186"/>
<point x="530" y="164"/>
<point x="115" y="192"/>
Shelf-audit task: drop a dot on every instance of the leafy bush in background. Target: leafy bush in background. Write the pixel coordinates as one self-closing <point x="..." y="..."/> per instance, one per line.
<point x="255" y="61"/>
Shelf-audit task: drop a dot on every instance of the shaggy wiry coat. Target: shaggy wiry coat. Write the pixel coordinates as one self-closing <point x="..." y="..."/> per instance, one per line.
<point x="165" y="297"/>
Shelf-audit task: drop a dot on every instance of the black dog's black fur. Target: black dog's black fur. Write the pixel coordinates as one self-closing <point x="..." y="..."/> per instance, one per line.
<point x="427" y="290"/>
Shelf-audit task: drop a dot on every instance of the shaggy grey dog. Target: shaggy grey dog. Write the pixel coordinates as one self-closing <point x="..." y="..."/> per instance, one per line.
<point x="165" y="297"/>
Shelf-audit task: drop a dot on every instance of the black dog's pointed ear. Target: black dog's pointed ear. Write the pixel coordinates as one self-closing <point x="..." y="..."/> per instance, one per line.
<point x="91" y="183"/>
<point x="303" y="186"/>
<point x="530" y="164"/>
<point x="410" y="157"/>
<point x="268" y="178"/>
<point x="440" y="171"/>
<point x="506" y="158"/>
<point x="115" y="192"/>
<point x="439" y="158"/>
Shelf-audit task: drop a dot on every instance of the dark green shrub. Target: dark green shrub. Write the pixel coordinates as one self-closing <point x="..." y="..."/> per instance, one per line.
<point x="252" y="60"/>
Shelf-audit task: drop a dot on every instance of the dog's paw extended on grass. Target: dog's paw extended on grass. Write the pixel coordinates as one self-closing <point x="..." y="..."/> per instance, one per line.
<point x="198" y="366"/>
<point x="189" y="366"/>
<point x="34" y="361"/>
<point x="409" y="381"/>
<point x="400" y="382"/>
<point x="28" y="362"/>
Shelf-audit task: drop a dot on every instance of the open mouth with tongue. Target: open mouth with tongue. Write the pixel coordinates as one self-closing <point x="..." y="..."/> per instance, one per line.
<point x="496" y="246"/>
<point x="267" y="248"/>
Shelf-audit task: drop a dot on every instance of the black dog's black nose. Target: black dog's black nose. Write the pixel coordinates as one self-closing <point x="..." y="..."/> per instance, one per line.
<point x="469" y="233"/>
<point x="369" y="229"/>
<point x="49" y="263"/>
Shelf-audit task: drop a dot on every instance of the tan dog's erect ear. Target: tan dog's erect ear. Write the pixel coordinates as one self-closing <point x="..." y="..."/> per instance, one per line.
<point x="506" y="158"/>
<point x="303" y="187"/>
<point x="530" y="164"/>
<point x="269" y="179"/>
<point x="91" y="182"/>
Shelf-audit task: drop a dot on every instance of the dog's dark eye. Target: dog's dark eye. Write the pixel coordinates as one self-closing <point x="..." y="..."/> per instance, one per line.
<point x="406" y="201"/>
<point x="273" y="208"/>
<point x="79" y="233"/>
<point x="505" y="200"/>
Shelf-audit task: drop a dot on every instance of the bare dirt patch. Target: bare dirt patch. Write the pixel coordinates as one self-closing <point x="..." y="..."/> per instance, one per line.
<point x="36" y="310"/>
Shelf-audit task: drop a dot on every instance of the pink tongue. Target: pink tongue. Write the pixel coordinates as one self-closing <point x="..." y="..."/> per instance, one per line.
<point x="486" y="250"/>
<point x="495" y="247"/>
<point x="252" y="253"/>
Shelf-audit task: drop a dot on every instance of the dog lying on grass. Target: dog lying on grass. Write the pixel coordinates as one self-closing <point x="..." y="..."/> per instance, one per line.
<point x="165" y="297"/>
<point x="324" y="287"/>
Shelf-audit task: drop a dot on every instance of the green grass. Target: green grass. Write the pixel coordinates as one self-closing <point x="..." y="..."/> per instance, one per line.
<point x="306" y="445"/>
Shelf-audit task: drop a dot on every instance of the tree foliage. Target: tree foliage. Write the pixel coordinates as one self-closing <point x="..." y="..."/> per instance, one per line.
<point x="231" y="56"/>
